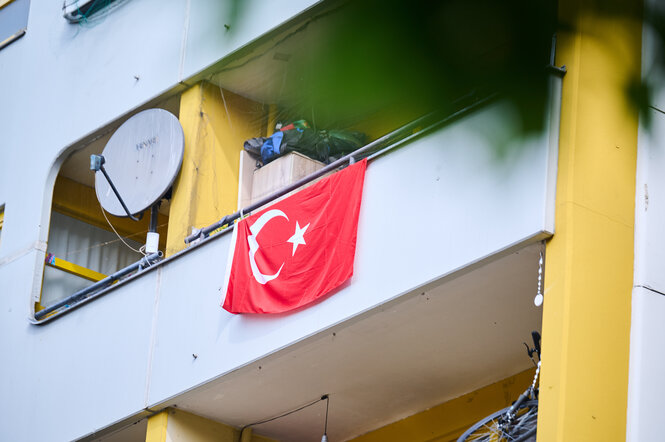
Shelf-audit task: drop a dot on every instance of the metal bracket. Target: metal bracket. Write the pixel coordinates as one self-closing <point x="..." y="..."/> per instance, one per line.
<point x="97" y="164"/>
<point x="561" y="71"/>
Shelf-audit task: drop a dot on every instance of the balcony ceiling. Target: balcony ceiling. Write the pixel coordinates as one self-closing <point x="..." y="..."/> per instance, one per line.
<point x="398" y="359"/>
<point x="271" y="70"/>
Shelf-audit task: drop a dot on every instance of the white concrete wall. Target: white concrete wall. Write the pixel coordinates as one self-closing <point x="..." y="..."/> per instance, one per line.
<point x="61" y="82"/>
<point x="429" y="208"/>
<point x="646" y="386"/>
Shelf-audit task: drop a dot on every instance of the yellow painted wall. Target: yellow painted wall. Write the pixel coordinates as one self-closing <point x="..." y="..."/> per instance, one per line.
<point x="589" y="268"/>
<point x="75" y="269"/>
<point x="80" y="202"/>
<point x="175" y="425"/>
<point x="4" y="3"/>
<point x="216" y="123"/>
<point x="447" y="421"/>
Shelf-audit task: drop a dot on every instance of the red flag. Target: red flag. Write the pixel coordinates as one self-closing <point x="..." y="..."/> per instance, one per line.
<point x="299" y="248"/>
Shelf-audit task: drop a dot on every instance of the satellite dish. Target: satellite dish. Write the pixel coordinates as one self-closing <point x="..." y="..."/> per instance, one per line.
<point x="142" y="158"/>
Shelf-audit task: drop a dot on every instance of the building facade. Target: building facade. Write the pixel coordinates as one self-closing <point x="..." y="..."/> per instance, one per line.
<point x="426" y="337"/>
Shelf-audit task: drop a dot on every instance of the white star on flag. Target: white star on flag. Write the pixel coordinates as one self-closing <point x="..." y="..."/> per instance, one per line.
<point x="297" y="237"/>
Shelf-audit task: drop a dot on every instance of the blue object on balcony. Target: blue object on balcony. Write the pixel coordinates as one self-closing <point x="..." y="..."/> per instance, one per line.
<point x="271" y="147"/>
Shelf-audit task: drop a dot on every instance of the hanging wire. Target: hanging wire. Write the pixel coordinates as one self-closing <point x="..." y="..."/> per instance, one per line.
<point x="325" y="397"/>
<point x="105" y="243"/>
<point x="140" y="250"/>
<point x="226" y="109"/>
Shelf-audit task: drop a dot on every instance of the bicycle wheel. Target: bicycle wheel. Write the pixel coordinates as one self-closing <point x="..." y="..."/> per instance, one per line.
<point x="498" y="428"/>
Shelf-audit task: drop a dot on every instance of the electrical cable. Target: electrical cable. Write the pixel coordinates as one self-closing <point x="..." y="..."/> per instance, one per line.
<point x="226" y="109"/>
<point x="105" y="243"/>
<point x="322" y="398"/>
<point x="118" y="235"/>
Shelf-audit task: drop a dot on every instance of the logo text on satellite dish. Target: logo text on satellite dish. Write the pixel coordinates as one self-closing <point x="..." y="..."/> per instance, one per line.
<point x="147" y="143"/>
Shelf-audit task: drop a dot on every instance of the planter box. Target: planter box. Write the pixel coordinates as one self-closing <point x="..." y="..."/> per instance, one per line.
<point x="259" y="183"/>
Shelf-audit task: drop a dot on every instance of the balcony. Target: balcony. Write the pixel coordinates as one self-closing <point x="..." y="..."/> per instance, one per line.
<point x="441" y="299"/>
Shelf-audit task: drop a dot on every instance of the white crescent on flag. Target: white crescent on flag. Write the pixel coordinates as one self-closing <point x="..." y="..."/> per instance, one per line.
<point x="254" y="245"/>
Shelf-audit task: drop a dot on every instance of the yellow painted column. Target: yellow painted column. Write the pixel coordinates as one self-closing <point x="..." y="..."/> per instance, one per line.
<point x="176" y="425"/>
<point x="157" y="426"/>
<point x="215" y="122"/>
<point x="589" y="270"/>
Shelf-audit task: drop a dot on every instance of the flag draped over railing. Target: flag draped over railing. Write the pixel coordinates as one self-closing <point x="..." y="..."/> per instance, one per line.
<point x="298" y="249"/>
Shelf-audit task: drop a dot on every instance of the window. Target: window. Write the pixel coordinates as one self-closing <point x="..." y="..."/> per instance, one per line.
<point x="85" y="243"/>
<point x="13" y="20"/>
<point x="78" y="11"/>
<point x="79" y="254"/>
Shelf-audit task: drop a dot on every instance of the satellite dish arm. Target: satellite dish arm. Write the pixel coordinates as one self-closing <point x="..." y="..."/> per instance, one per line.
<point x="97" y="164"/>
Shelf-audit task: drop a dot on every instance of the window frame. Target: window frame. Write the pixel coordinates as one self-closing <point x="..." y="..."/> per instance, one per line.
<point x="21" y="24"/>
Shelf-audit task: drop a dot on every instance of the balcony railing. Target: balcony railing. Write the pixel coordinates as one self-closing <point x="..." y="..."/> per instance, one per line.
<point x="103" y="283"/>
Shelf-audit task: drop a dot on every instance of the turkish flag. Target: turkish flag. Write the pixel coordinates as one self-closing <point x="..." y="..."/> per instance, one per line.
<point x="298" y="249"/>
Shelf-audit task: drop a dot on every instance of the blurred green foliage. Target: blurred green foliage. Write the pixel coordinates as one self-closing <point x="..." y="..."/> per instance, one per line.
<point x="432" y="54"/>
<point x="423" y="54"/>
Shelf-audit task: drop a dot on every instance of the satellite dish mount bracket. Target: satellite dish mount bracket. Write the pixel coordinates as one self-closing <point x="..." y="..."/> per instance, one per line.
<point x="97" y="164"/>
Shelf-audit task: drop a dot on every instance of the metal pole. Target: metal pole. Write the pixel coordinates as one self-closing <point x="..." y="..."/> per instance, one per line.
<point x="108" y="178"/>
<point x="379" y="142"/>
<point x="153" y="217"/>
<point x="82" y="294"/>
